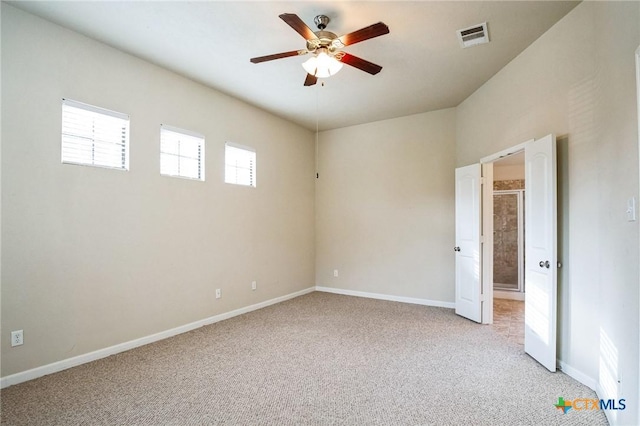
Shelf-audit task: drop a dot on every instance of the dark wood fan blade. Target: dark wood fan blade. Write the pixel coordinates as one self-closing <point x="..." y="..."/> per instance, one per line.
<point x="363" y="34"/>
<point x="310" y="80"/>
<point x="361" y="64"/>
<point x="297" y="24"/>
<point x="278" y="56"/>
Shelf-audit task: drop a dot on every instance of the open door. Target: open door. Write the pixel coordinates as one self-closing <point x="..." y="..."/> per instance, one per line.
<point x="467" y="249"/>
<point x="541" y="251"/>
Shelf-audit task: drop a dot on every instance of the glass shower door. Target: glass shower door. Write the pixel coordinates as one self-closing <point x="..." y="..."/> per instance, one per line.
<point x="508" y="241"/>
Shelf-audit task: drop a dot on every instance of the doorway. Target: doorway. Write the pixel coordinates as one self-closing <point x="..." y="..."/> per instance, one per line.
<point x="508" y="227"/>
<point x="508" y="247"/>
<point x="474" y="245"/>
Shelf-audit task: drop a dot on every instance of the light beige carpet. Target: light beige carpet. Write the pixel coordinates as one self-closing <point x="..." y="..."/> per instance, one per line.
<point x="318" y="359"/>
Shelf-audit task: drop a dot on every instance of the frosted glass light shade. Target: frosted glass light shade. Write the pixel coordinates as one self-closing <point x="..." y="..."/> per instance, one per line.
<point x="322" y="65"/>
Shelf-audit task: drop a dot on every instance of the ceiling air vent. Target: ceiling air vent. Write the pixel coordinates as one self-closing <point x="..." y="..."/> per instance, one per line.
<point x="477" y="34"/>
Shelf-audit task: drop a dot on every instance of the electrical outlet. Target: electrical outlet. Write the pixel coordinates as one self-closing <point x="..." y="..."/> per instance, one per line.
<point x="17" y="338"/>
<point x="218" y="293"/>
<point x="335" y="272"/>
<point x="254" y="285"/>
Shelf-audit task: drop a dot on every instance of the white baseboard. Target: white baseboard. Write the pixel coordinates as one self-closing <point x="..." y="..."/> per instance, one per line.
<point x="583" y="378"/>
<point x="34" y="373"/>
<point x="402" y="299"/>
<point x="122" y="347"/>
<point x="608" y="413"/>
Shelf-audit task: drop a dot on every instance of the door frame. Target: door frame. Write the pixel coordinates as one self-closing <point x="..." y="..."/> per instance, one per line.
<point x="487" y="227"/>
<point x="638" y="103"/>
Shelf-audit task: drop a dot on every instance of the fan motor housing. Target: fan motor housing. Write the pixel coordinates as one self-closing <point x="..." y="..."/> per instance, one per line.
<point x="325" y="39"/>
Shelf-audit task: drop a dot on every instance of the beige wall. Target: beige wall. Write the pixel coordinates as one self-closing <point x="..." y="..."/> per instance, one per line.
<point x="578" y="81"/>
<point x="384" y="201"/>
<point x="384" y="207"/>
<point x="95" y="257"/>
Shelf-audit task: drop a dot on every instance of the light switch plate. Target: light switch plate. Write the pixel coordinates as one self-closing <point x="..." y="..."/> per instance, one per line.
<point x="631" y="209"/>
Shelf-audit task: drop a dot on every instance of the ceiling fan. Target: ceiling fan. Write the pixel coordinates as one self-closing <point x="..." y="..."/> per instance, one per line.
<point x="325" y="46"/>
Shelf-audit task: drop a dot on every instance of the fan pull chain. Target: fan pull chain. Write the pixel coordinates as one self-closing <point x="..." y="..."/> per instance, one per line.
<point x="317" y="118"/>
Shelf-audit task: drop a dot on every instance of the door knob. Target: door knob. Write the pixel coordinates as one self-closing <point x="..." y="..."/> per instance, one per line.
<point x="544" y="264"/>
<point x="456" y="249"/>
<point x="541" y="264"/>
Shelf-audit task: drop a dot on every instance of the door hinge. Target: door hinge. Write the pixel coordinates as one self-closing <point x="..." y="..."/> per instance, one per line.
<point x="481" y="239"/>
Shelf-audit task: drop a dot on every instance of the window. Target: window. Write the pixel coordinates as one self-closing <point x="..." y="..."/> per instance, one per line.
<point x="181" y="153"/>
<point x="240" y="165"/>
<point x="94" y="136"/>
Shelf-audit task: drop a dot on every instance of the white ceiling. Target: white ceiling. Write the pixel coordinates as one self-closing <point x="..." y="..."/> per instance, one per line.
<point x="424" y="67"/>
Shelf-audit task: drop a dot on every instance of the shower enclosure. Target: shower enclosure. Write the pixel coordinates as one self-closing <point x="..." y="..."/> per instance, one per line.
<point x="508" y="240"/>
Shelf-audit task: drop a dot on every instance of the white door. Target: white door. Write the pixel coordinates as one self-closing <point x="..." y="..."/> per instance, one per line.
<point x="467" y="249"/>
<point x="540" y="251"/>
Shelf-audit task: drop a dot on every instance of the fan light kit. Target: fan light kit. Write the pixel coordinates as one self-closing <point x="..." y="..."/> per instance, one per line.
<point x="327" y="59"/>
<point x="322" y="65"/>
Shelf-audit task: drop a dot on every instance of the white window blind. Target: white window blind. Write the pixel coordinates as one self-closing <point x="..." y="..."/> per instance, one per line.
<point x="181" y="153"/>
<point x="240" y="165"/>
<point x="94" y="136"/>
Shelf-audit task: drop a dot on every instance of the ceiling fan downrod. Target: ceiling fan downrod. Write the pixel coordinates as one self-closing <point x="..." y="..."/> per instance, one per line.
<point x="321" y="21"/>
